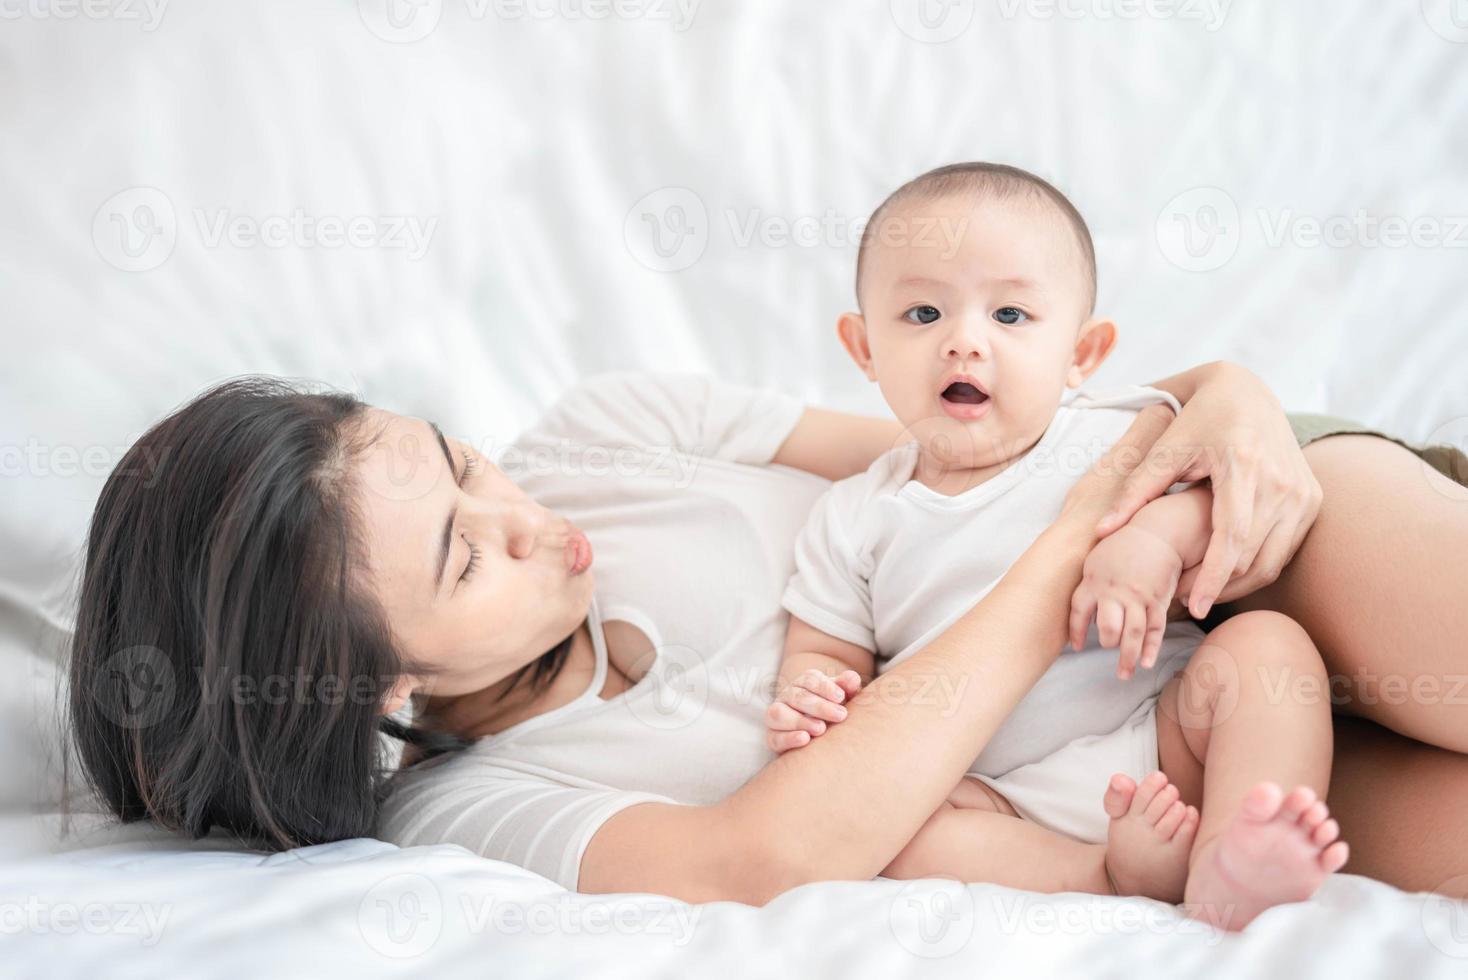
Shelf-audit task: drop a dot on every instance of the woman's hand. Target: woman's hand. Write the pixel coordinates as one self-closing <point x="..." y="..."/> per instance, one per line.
<point x="1232" y="432"/>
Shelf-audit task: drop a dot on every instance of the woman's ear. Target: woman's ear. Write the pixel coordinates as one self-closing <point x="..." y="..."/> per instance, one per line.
<point x="852" y="330"/>
<point x="1095" y="342"/>
<point x="398" y="694"/>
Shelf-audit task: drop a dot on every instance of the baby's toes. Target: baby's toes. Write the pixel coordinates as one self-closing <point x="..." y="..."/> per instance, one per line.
<point x="1296" y="802"/>
<point x="1161" y="803"/>
<point x="1314" y="816"/>
<point x="1327" y="831"/>
<point x="1118" y="795"/>
<point x="1334" y="857"/>
<point x="1188" y="829"/>
<point x="1172" y="819"/>
<point x="1147" y="791"/>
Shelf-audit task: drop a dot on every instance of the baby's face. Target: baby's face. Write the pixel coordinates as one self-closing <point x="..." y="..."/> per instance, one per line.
<point x="972" y="328"/>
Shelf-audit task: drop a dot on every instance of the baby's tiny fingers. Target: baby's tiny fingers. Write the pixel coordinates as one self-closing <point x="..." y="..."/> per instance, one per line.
<point x="785" y="741"/>
<point x="1109" y="619"/>
<point x="782" y="718"/>
<point x="850" y="682"/>
<point x="1133" y="634"/>
<point x="821" y="686"/>
<point x="1082" y="609"/>
<point x="814" y="705"/>
<point x="1156" y="626"/>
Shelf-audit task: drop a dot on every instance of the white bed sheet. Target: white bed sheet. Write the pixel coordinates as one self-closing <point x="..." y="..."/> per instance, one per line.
<point x="538" y="150"/>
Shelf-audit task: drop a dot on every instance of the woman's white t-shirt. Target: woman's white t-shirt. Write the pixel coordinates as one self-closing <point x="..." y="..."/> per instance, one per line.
<point x="693" y="539"/>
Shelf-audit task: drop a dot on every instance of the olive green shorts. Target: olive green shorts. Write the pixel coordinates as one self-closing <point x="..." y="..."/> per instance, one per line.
<point x="1447" y="460"/>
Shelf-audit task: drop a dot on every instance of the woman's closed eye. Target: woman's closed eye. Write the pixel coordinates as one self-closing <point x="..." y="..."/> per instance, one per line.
<point x="472" y="466"/>
<point x="473" y="564"/>
<point x="1010" y="315"/>
<point x="922" y="314"/>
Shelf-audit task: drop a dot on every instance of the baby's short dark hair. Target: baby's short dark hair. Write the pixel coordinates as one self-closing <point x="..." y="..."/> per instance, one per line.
<point x="994" y="179"/>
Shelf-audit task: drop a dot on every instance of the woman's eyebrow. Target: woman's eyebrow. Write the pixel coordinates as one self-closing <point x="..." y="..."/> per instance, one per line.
<point x="448" y="526"/>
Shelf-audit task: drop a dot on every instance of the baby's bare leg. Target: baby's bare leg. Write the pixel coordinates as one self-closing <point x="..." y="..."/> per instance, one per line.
<point x="1251" y="714"/>
<point x="985" y="841"/>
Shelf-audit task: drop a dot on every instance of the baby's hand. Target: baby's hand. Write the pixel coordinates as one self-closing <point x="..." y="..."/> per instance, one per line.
<point x="803" y="709"/>
<point x="1127" y="586"/>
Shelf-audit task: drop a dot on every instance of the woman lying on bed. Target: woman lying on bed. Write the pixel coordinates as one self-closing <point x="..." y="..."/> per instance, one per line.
<point x="591" y="706"/>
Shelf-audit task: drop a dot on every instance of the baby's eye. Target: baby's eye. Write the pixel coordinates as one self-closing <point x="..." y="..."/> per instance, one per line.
<point x="922" y="314"/>
<point x="1010" y="316"/>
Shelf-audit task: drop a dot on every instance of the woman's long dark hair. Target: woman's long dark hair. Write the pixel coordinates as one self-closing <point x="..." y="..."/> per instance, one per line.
<point x="228" y="666"/>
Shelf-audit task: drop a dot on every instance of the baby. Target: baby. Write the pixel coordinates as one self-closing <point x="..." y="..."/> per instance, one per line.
<point x="976" y="284"/>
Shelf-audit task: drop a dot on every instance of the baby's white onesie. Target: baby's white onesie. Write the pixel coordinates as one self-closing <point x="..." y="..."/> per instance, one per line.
<point x="888" y="564"/>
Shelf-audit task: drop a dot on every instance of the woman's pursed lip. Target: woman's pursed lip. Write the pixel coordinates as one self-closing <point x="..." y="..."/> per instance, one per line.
<point x="578" y="552"/>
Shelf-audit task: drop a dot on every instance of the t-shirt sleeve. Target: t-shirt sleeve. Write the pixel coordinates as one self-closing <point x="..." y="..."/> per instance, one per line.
<point x="533" y="823"/>
<point x="831" y="586"/>
<point x="690" y="413"/>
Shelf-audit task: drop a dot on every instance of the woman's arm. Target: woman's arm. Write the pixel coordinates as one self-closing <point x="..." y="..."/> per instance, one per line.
<point x="828" y="811"/>
<point x="836" y="445"/>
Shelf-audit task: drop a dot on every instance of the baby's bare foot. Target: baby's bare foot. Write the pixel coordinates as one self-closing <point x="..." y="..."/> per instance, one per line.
<point x="1278" y="849"/>
<point x="1150" y="837"/>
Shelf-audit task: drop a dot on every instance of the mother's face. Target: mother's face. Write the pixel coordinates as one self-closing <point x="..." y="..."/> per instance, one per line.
<point x="476" y="578"/>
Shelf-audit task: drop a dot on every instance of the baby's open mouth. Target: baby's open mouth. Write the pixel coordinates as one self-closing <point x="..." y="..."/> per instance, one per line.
<point x="963" y="393"/>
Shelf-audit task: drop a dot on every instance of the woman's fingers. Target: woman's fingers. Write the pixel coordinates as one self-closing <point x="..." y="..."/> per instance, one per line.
<point x="1233" y="524"/>
<point x="1271" y="559"/>
<point x="1098" y="490"/>
<point x="1159" y="470"/>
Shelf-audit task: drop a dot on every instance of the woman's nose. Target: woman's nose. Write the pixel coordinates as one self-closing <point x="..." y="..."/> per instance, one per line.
<point x="524" y="524"/>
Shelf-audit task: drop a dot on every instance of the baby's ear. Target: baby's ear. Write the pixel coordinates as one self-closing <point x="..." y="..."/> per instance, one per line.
<point x="852" y="330"/>
<point x="1095" y="342"/>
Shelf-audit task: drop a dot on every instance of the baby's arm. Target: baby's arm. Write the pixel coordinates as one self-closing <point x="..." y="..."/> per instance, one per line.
<point x="818" y="674"/>
<point x="1130" y="577"/>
